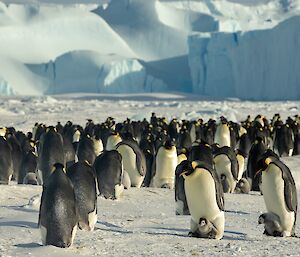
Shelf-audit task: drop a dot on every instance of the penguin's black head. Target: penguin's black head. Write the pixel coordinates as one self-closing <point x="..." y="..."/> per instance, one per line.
<point x="265" y="160"/>
<point x="58" y="167"/>
<point x="203" y="222"/>
<point x="261" y="219"/>
<point x="169" y="144"/>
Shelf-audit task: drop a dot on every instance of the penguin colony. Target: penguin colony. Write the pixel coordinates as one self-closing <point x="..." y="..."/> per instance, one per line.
<point x="201" y="160"/>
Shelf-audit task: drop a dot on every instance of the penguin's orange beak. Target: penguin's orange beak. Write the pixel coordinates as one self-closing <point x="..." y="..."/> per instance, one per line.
<point x="257" y="172"/>
<point x="183" y="174"/>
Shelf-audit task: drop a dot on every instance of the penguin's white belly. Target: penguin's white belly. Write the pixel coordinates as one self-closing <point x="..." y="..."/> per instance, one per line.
<point x="166" y="163"/>
<point x="222" y="136"/>
<point x="241" y="162"/>
<point x="129" y="164"/>
<point x="273" y="192"/>
<point x="201" y="195"/>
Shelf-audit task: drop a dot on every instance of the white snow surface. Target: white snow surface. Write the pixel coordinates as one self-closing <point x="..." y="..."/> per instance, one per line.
<point x="210" y="47"/>
<point x="143" y="221"/>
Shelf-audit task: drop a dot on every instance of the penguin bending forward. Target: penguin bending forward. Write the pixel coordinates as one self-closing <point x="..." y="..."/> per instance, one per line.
<point x="58" y="215"/>
<point x="280" y="196"/>
<point x="205" y="200"/>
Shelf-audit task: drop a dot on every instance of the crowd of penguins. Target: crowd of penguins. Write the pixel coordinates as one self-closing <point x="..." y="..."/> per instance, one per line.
<point x="201" y="160"/>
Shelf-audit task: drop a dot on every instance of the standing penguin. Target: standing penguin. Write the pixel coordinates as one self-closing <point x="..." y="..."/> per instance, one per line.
<point x="112" y="141"/>
<point x="6" y="163"/>
<point x="256" y="151"/>
<point x="284" y="140"/>
<point x="226" y="165"/>
<point x="205" y="199"/>
<point x="134" y="162"/>
<point x="109" y="170"/>
<point x="164" y="166"/>
<point x="86" y="150"/>
<point x="222" y="135"/>
<point x="58" y="216"/>
<point x="50" y="151"/>
<point x="280" y="196"/>
<point x="83" y="179"/>
<point x="180" y="197"/>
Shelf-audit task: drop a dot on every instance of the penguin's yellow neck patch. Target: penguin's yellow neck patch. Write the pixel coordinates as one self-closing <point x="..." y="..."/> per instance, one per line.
<point x="268" y="161"/>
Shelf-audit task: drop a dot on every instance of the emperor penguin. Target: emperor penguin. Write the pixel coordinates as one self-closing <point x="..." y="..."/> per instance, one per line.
<point x="112" y="141"/>
<point x="257" y="150"/>
<point x="205" y="200"/>
<point x="284" y="140"/>
<point x="6" y="162"/>
<point x="16" y="154"/>
<point x="182" y="155"/>
<point x="222" y="135"/>
<point x="240" y="156"/>
<point x="109" y="170"/>
<point x="226" y="165"/>
<point x="201" y="151"/>
<point x="50" y="151"/>
<point x="280" y="196"/>
<point x="181" y="206"/>
<point x="28" y="165"/>
<point x="86" y="149"/>
<point x="84" y="181"/>
<point x="163" y="169"/>
<point x="134" y="162"/>
<point x="58" y="215"/>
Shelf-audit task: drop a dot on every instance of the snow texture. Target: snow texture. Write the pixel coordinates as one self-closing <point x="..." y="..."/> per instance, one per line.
<point x="143" y="221"/>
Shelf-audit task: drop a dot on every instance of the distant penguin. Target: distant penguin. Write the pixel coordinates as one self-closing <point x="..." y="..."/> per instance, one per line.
<point x="112" y="141"/>
<point x="58" y="215"/>
<point x="28" y="165"/>
<point x="244" y="144"/>
<point x="280" y="196"/>
<point x="134" y="162"/>
<point x="184" y="139"/>
<point x="180" y="197"/>
<point x="226" y="165"/>
<point x="109" y="170"/>
<point x="86" y="150"/>
<point x="205" y="199"/>
<point x="6" y="162"/>
<point x="50" y="151"/>
<point x="240" y="156"/>
<point x="284" y="141"/>
<point x="256" y="151"/>
<point x="31" y="179"/>
<point x="84" y="181"/>
<point x="201" y="151"/>
<point x="164" y="166"/>
<point x="16" y="154"/>
<point x="222" y="135"/>
<point x="182" y="155"/>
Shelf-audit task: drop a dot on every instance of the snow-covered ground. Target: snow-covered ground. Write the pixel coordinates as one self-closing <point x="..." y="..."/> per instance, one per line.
<point x="143" y="221"/>
<point x="50" y="47"/>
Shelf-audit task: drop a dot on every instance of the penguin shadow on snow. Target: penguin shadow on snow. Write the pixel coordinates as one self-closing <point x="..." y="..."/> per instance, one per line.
<point x="28" y="245"/>
<point x="169" y="231"/>
<point x="112" y="228"/>
<point x="20" y="208"/>
<point x="234" y="235"/>
<point x="23" y="224"/>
